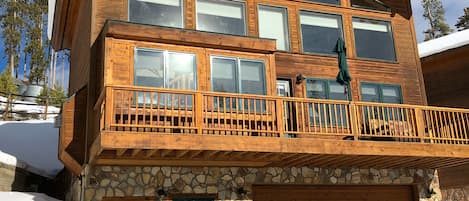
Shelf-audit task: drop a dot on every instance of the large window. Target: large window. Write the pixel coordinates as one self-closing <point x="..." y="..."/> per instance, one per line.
<point x="327" y="1"/>
<point x="221" y="16"/>
<point x="320" y="32"/>
<point x="157" y="12"/>
<point x="381" y="93"/>
<point x="373" y="39"/>
<point x="321" y="113"/>
<point x="164" y="69"/>
<point x="156" y="68"/>
<point x="370" y="4"/>
<point x="235" y="75"/>
<point x="273" y="24"/>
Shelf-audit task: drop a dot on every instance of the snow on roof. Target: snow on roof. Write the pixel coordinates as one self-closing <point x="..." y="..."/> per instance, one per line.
<point x="444" y="43"/>
<point x="25" y="196"/>
<point x="34" y="143"/>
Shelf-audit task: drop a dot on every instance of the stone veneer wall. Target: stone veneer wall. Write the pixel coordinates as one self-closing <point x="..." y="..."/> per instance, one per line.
<point x="109" y="181"/>
<point x="456" y="194"/>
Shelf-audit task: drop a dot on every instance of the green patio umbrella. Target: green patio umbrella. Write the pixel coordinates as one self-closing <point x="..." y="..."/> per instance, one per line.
<point x="343" y="77"/>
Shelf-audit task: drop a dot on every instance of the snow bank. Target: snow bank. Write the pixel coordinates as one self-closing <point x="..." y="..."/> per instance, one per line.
<point x="444" y="43"/>
<point x="34" y="143"/>
<point x="24" y="196"/>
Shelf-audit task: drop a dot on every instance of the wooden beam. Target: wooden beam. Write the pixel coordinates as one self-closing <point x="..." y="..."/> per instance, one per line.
<point x="135" y="152"/>
<point x="151" y="152"/>
<point x="180" y="154"/>
<point x="187" y="163"/>
<point x="120" y="152"/>
<point x="165" y="152"/>
<point x="210" y="154"/>
<point x="195" y="154"/>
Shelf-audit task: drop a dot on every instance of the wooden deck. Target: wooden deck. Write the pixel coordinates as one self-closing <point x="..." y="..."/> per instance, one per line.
<point x="149" y="126"/>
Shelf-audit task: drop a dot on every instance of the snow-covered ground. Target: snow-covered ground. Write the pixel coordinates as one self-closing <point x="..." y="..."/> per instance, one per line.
<point x="25" y="196"/>
<point x="29" y="109"/>
<point x="34" y="143"/>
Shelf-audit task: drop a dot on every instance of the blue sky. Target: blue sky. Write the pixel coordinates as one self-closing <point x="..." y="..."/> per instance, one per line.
<point x="454" y="9"/>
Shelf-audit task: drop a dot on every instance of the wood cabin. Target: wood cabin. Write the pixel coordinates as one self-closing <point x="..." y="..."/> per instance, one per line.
<point x="237" y="100"/>
<point x="445" y="67"/>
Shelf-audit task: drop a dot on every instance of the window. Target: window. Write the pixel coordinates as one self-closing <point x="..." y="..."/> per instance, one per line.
<point x="235" y="75"/>
<point x="370" y="4"/>
<point x="157" y="12"/>
<point x="373" y="39"/>
<point x="381" y="93"/>
<point x="319" y="32"/>
<point x="327" y="1"/>
<point x="221" y="16"/>
<point x="273" y="24"/>
<point x="326" y="113"/>
<point x="164" y="69"/>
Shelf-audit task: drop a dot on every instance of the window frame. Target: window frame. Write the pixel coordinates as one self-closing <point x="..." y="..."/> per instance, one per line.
<point x="339" y="3"/>
<point x="244" y="15"/>
<point x="388" y="9"/>
<point x="165" y="64"/>
<point x="380" y="91"/>
<point x="390" y="26"/>
<point x="300" y="31"/>
<point x="327" y="88"/>
<point x="183" y="11"/>
<point x="238" y="71"/>
<point x="288" y="40"/>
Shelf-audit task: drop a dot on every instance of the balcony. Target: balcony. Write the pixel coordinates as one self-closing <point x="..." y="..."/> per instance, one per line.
<point x="150" y="126"/>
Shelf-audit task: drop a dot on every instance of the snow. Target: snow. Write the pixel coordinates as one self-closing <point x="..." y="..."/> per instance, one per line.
<point x="25" y="196"/>
<point x="34" y="143"/>
<point x="444" y="43"/>
<point x="29" y="108"/>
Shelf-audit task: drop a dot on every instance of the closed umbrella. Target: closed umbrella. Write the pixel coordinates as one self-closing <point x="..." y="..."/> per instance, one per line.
<point x="343" y="77"/>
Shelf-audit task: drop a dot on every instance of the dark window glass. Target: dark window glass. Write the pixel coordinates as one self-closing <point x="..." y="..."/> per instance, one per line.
<point x="327" y="1"/>
<point x="252" y="77"/>
<point x="149" y="68"/>
<point x="370" y="4"/>
<point x="224" y="75"/>
<point x="320" y="32"/>
<point x="221" y="16"/>
<point x="326" y="113"/>
<point x="373" y="39"/>
<point x="381" y="93"/>
<point x="156" y="12"/>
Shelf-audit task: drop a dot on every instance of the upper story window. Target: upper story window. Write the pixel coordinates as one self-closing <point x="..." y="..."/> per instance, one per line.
<point x="370" y="4"/>
<point x="273" y="24"/>
<point x="319" y="32"/>
<point x="327" y="1"/>
<point x="381" y="93"/>
<point x="157" y="12"/>
<point x="374" y="39"/>
<point x="221" y="16"/>
<point x="164" y="69"/>
<point x="235" y="75"/>
<point x="325" y="89"/>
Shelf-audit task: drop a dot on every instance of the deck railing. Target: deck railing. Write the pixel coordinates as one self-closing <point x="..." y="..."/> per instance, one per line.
<point x="145" y="109"/>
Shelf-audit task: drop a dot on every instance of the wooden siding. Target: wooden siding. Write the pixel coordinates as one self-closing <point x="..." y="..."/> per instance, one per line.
<point x="454" y="177"/>
<point x="446" y="78"/>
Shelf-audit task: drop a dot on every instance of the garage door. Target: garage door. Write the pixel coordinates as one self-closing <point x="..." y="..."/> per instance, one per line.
<point x="333" y="193"/>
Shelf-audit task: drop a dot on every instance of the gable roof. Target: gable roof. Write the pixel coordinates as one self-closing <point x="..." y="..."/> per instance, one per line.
<point x="452" y="41"/>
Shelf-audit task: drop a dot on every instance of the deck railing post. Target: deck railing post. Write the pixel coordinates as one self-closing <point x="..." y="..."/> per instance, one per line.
<point x="279" y="104"/>
<point x="420" y="124"/>
<point x="354" y="120"/>
<point x="108" y="109"/>
<point x="199" y="116"/>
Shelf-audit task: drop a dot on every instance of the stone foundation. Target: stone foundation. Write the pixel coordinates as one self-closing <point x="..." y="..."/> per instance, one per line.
<point x="110" y="181"/>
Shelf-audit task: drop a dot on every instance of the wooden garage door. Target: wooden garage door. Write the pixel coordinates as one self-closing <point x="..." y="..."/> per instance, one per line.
<point x="333" y="193"/>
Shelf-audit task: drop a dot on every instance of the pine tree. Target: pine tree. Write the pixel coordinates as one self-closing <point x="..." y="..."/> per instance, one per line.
<point x="35" y="47"/>
<point x="463" y="21"/>
<point x="435" y="14"/>
<point x="12" y="23"/>
<point x="7" y="82"/>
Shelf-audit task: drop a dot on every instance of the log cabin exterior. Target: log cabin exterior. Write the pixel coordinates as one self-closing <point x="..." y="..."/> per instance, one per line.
<point x="222" y="99"/>
<point x="444" y="67"/>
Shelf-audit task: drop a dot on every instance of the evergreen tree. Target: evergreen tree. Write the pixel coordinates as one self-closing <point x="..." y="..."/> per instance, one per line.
<point x="56" y="96"/>
<point x="36" y="43"/>
<point x="12" y="23"/>
<point x="7" y="82"/>
<point x="435" y="14"/>
<point x="463" y="21"/>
